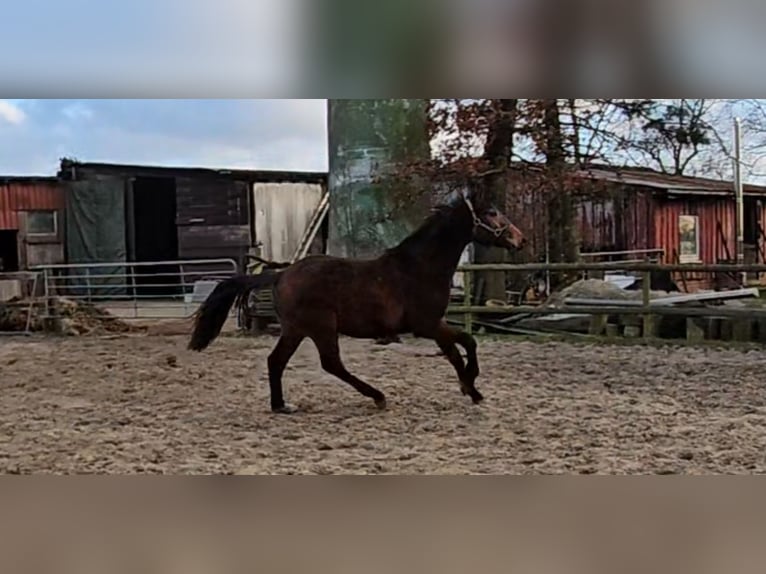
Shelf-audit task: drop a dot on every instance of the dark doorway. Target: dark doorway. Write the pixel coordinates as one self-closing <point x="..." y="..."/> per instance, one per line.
<point x="752" y="217"/>
<point x="9" y="251"/>
<point x="154" y="235"/>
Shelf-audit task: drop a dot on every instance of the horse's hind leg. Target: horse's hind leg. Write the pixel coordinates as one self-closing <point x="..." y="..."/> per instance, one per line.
<point x="277" y="361"/>
<point x="329" y="355"/>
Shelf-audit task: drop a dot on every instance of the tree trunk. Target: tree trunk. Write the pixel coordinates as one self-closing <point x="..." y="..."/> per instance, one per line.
<point x="498" y="153"/>
<point x="562" y="235"/>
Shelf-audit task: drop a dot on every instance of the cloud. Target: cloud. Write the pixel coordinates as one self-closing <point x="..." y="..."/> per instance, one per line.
<point x="249" y="134"/>
<point x="11" y="113"/>
<point x="77" y="112"/>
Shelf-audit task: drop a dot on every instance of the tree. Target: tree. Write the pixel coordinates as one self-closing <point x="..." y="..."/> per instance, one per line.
<point x="668" y="135"/>
<point x="475" y="141"/>
<point x="498" y="152"/>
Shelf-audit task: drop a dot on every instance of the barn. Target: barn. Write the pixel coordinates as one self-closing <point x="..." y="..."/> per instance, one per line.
<point x="689" y="219"/>
<point x="31" y="222"/>
<point x="162" y="215"/>
<point x="117" y="212"/>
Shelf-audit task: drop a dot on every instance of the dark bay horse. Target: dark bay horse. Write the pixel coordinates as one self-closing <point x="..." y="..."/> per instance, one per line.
<point x="404" y="290"/>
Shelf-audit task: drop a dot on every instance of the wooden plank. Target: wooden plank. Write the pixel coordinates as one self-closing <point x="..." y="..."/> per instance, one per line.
<point x="211" y="201"/>
<point x="615" y="266"/>
<point x="221" y="252"/>
<point x="706" y="311"/>
<point x="206" y="218"/>
<point x="214" y="241"/>
<point x="313" y="228"/>
<point x="672" y="300"/>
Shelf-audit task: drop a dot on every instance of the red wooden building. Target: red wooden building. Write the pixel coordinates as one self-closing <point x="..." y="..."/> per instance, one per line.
<point x="691" y="219"/>
<point x="31" y="222"/>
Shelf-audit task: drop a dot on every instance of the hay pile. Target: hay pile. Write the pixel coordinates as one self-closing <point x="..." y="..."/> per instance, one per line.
<point x="77" y="318"/>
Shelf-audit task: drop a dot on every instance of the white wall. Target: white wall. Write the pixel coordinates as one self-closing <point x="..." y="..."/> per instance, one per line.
<point x="465" y="257"/>
<point x="282" y="212"/>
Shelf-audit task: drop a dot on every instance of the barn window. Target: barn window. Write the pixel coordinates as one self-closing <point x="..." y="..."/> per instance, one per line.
<point x="42" y="223"/>
<point x="689" y="238"/>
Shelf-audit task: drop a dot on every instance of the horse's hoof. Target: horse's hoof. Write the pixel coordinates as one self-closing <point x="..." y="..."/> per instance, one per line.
<point x="286" y="409"/>
<point x="381" y="403"/>
<point x="476" y="397"/>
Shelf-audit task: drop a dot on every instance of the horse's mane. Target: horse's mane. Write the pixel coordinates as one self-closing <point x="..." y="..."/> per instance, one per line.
<point x="432" y="226"/>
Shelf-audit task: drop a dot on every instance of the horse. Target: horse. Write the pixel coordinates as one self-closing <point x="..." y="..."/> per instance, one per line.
<point x="405" y="290"/>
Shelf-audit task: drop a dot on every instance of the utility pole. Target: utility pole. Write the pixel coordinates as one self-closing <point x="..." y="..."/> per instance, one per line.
<point x="739" y="199"/>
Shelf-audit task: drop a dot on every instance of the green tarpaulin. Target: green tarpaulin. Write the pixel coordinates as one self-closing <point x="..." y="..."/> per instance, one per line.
<point x="95" y="233"/>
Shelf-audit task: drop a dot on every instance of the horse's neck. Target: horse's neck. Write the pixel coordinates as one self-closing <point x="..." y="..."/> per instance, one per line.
<point x="446" y="257"/>
<point x="438" y="251"/>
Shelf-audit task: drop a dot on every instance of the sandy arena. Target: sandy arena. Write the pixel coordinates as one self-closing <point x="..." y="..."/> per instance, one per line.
<point x="143" y="404"/>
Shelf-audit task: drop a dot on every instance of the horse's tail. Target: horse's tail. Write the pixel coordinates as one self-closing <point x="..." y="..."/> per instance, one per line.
<point x="212" y="314"/>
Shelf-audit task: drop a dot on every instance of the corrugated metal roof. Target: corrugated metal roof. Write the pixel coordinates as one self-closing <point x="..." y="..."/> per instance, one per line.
<point x="680" y="184"/>
<point x="651" y="179"/>
<point x="250" y="175"/>
<point x="19" y="194"/>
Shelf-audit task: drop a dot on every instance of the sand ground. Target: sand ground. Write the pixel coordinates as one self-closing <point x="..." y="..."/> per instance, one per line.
<point x="144" y="404"/>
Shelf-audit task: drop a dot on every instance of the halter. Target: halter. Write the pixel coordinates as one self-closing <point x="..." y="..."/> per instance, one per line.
<point x="497" y="232"/>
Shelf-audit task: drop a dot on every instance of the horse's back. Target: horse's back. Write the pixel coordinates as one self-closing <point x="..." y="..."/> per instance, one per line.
<point x="362" y="297"/>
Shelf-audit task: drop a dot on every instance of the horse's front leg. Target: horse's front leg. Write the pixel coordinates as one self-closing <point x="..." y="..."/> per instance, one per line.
<point x="446" y="337"/>
<point x="471" y="360"/>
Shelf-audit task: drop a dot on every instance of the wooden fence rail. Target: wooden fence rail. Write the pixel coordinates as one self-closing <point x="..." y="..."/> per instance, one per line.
<point x="618" y="266"/>
<point x="645" y="308"/>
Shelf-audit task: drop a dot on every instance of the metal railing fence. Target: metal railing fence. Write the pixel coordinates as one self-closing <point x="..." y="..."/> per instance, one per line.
<point x="137" y="290"/>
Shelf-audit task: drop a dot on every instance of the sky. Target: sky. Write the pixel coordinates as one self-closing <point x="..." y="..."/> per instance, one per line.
<point x="253" y="134"/>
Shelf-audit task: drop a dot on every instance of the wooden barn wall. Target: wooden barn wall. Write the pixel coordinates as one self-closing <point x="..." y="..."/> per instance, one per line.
<point x="213" y="218"/>
<point x="19" y="197"/>
<point x="40" y="249"/>
<point x="282" y="212"/>
<point x="711" y="212"/>
<point x="758" y="255"/>
<point x="608" y="219"/>
<point x="713" y="244"/>
<point x="525" y="207"/>
<point x="620" y="222"/>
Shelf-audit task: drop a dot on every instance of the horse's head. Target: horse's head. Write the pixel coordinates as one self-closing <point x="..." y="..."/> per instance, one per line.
<point x="492" y="227"/>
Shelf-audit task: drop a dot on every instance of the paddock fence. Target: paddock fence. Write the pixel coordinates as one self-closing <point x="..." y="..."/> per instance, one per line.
<point x="647" y="309"/>
<point x="132" y="291"/>
<point x="17" y="291"/>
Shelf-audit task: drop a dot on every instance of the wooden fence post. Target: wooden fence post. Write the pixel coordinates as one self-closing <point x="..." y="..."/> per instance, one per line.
<point x="467" y="301"/>
<point x="646" y="297"/>
<point x="644" y="318"/>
